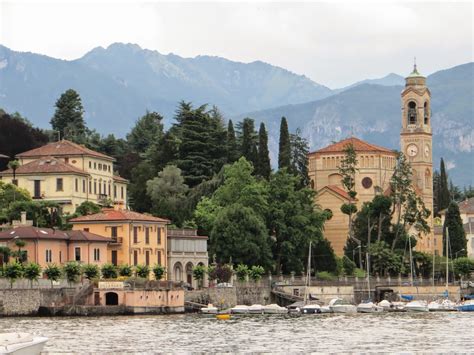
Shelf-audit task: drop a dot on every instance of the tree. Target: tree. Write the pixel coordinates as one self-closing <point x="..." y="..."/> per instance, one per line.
<point x="91" y="271"/>
<point x="242" y="271"/>
<point x="299" y="158"/>
<point x="249" y="141"/>
<point x="457" y="235"/>
<point x="87" y="207"/>
<point x="263" y="167"/>
<point x="256" y="272"/>
<point x="31" y="272"/>
<point x="53" y="273"/>
<point x="284" y="148"/>
<point x="148" y="130"/>
<point x="232" y="148"/>
<point x="444" y="197"/>
<point x="138" y="197"/>
<point x="13" y="271"/>
<point x="383" y="260"/>
<point x="463" y="266"/>
<point x="44" y="214"/>
<point x="125" y="270"/>
<point x="168" y="195"/>
<point x="221" y="273"/>
<point x="68" y="118"/>
<point x="142" y="271"/>
<point x="20" y="256"/>
<point x="5" y="253"/>
<point x="158" y="271"/>
<point x="13" y="165"/>
<point x="72" y="270"/>
<point x="199" y="272"/>
<point x="109" y="271"/>
<point x="10" y="193"/>
<point x="348" y="266"/>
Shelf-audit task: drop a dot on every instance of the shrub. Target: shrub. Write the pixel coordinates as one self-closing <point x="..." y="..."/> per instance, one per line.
<point x="463" y="266"/>
<point x="221" y="273"/>
<point x="158" y="271"/>
<point x="359" y="272"/>
<point x="72" y="270"/>
<point x="256" y="272"/>
<point x="325" y="276"/>
<point x="52" y="272"/>
<point x="91" y="271"/>
<point x="211" y="272"/>
<point x="142" y="271"/>
<point x="13" y="271"/>
<point x="242" y="271"/>
<point x="109" y="271"/>
<point x="31" y="272"/>
<point x="348" y="265"/>
<point x="125" y="270"/>
<point x="199" y="272"/>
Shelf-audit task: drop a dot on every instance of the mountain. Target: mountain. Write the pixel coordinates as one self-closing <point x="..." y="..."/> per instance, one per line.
<point x="118" y="83"/>
<point x="391" y="79"/>
<point x="372" y="112"/>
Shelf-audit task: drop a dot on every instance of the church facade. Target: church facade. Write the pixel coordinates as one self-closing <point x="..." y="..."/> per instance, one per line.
<point x="376" y="165"/>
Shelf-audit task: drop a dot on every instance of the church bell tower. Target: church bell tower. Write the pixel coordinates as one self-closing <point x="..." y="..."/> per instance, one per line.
<point x="416" y="144"/>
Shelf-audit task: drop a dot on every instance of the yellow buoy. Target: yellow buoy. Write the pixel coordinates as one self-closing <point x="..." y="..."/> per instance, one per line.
<point x="223" y="316"/>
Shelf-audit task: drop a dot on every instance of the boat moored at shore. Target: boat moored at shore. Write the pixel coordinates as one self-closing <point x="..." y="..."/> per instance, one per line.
<point x="21" y="344"/>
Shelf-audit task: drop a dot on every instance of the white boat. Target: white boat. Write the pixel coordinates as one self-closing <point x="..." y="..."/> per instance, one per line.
<point x="21" y="344"/>
<point x="386" y="305"/>
<point x="338" y="305"/>
<point x="369" y="307"/>
<point x="240" y="309"/>
<point x="466" y="306"/>
<point x="417" y="306"/>
<point x="255" y="309"/>
<point x="274" y="309"/>
<point x="443" y="305"/>
<point x="210" y="309"/>
<point x="325" y="309"/>
<point x="311" y="309"/>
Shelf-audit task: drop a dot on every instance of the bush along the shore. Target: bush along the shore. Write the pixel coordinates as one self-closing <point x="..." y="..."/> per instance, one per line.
<point x="31" y="272"/>
<point x="52" y="273"/>
<point x="125" y="270"/>
<point x="158" y="271"/>
<point x="142" y="271"/>
<point x="72" y="270"/>
<point x="109" y="271"/>
<point x="91" y="271"/>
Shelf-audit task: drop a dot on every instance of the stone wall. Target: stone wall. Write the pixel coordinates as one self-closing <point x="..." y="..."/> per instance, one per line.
<point x="16" y="302"/>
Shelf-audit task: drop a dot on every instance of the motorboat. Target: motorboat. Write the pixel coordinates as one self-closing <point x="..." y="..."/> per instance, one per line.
<point x="386" y="305"/>
<point x="240" y="309"/>
<point x="210" y="309"/>
<point x="369" y="307"/>
<point x="443" y="305"/>
<point x="325" y="309"/>
<point x="339" y="305"/>
<point x="255" y="309"/>
<point x="398" y="306"/>
<point x="274" y="309"/>
<point x="21" y="344"/>
<point x="295" y="307"/>
<point x="466" y="306"/>
<point x="311" y="309"/>
<point x="417" y="306"/>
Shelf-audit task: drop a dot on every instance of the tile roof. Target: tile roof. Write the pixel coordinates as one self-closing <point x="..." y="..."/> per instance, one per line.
<point x="359" y="146"/>
<point x="465" y="206"/>
<point x="62" y="148"/>
<point x="45" y="165"/>
<point x="120" y="179"/>
<point x="341" y="192"/>
<point x="28" y="233"/>
<point x="117" y="215"/>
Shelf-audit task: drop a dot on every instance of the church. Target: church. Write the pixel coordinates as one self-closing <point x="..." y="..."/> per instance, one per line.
<point x="375" y="166"/>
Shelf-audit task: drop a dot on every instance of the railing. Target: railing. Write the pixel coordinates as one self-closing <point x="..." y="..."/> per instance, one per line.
<point x="117" y="240"/>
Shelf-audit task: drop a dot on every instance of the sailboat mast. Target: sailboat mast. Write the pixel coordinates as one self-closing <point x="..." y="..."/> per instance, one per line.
<point x="447" y="258"/>
<point x="368" y="274"/>
<point x="411" y="261"/>
<point x="308" y="275"/>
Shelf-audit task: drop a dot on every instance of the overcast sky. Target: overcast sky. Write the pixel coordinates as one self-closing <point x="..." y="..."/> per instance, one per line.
<point x="334" y="44"/>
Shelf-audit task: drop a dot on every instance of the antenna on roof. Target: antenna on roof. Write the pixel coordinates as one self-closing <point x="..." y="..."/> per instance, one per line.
<point x="414" y="64"/>
<point x="352" y="131"/>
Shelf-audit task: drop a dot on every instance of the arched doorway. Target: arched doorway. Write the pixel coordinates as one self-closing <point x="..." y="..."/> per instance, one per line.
<point x="111" y="299"/>
<point x="189" y="273"/>
<point x="178" y="272"/>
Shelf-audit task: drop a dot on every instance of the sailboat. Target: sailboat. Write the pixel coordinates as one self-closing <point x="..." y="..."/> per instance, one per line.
<point x="368" y="306"/>
<point x="309" y="308"/>
<point x="414" y="305"/>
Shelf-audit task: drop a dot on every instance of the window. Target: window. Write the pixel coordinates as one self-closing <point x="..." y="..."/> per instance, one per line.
<point x="105" y="188"/>
<point x="95" y="165"/>
<point x="367" y="182"/>
<point x="147" y="235"/>
<point x="60" y="256"/>
<point x="159" y="257"/>
<point x="113" y="233"/>
<point x="100" y="166"/>
<point x="100" y="188"/>
<point x="135" y="235"/>
<point x="77" y="253"/>
<point x="109" y="168"/>
<point x="66" y="160"/>
<point x="84" y="186"/>
<point x="427" y="113"/>
<point x="114" y="257"/>
<point x="109" y="189"/>
<point x="59" y="184"/>
<point x="135" y="257"/>
<point x="90" y="186"/>
<point x="147" y="257"/>
<point x="90" y="165"/>
<point x="96" y="254"/>
<point x="158" y="235"/>
<point x="49" y="255"/>
<point x="76" y="184"/>
<point x="86" y="229"/>
<point x="95" y="187"/>
<point x="115" y="191"/>
<point x="121" y="192"/>
<point x="411" y="112"/>
<point x="37" y="190"/>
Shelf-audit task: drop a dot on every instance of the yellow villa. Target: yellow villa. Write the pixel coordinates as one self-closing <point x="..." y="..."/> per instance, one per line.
<point x="135" y="238"/>
<point x="69" y="174"/>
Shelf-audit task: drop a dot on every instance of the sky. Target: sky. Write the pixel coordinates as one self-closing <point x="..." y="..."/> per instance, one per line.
<point x="333" y="43"/>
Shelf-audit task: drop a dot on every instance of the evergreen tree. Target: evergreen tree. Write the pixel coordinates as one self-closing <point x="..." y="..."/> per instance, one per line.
<point x="457" y="236"/>
<point x="443" y="197"/>
<point x="299" y="157"/>
<point x="148" y="130"/>
<point x="436" y="187"/>
<point x="284" y="149"/>
<point x="68" y="118"/>
<point x="263" y="167"/>
<point x="348" y="169"/>
<point x="231" y="144"/>
<point x="249" y="141"/>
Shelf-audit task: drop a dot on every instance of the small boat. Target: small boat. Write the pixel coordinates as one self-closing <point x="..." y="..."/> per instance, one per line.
<point x="274" y="309"/>
<point x="295" y="307"/>
<point x="398" y="307"/>
<point x="240" y="309"/>
<point x="223" y="316"/>
<point x="311" y="309"/>
<point x="325" y="309"/>
<point x="443" y="305"/>
<point x="338" y="305"/>
<point x="466" y="306"/>
<point x="21" y="344"/>
<point x="255" y="309"/>
<point x="386" y="305"/>
<point x="369" y="307"/>
<point x="417" y="306"/>
<point x="210" y="309"/>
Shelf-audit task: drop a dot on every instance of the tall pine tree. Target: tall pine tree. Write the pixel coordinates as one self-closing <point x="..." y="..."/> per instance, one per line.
<point x="231" y="144"/>
<point x="249" y="141"/>
<point x="284" y="149"/>
<point x="263" y="167"/>
<point x="457" y="236"/>
<point x="68" y="118"/>
<point x="299" y="158"/>
<point x="444" y="197"/>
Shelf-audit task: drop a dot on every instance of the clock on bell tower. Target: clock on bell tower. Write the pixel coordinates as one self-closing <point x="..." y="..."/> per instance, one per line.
<point x="416" y="138"/>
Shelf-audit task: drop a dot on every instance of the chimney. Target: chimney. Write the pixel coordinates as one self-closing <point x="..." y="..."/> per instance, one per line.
<point x="23" y="218"/>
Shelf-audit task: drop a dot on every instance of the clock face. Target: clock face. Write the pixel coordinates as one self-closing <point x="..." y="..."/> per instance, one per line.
<point x="412" y="150"/>
<point x="427" y="150"/>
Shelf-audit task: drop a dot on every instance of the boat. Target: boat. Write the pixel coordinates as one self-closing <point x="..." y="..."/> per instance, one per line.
<point x="308" y="307"/>
<point x="369" y="307"/>
<point x="466" y="306"/>
<point x="386" y="305"/>
<point x="274" y="309"/>
<point x="443" y="305"/>
<point x="210" y="309"/>
<point x="255" y="309"/>
<point x="311" y="309"/>
<point x="339" y="305"/>
<point x="325" y="309"/>
<point x="223" y="316"/>
<point x="21" y="344"/>
<point x="240" y="309"/>
<point x="416" y="306"/>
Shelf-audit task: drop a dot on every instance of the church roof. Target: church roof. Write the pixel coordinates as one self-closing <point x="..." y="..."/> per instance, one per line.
<point x="338" y="191"/>
<point x="358" y="144"/>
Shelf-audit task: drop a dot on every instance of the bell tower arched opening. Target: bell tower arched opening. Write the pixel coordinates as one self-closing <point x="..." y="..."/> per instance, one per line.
<point x="412" y="113"/>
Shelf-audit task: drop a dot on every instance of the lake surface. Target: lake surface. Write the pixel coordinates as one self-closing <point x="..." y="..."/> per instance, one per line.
<point x="389" y="332"/>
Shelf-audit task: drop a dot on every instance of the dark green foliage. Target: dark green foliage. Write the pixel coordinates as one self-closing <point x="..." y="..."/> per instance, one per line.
<point x="72" y="270"/>
<point x="256" y="272"/>
<point x="463" y="266"/>
<point x="323" y="257"/>
<point x="142" y="271"/>
<point x="158" y="271"/>
<point x="125" y="270"/>
<point x="284" y="148"/>
<point x="383" y="260"/>
<point x="242" y="271"/>
<point x="5" y="253"/>
<point x="444" y="197"/>
<point x="91" y="271"/>
<point x="199" y="272"/>
<point x="221" y="273"/>
<point x="68" y="118"/>
<point x="457" y="235"/>
<point x="249" y="141"/>
<point x="52" y="272"/>
<point x="232" y="147"/>
<point x="148" y="131"/>
<point x="299" y="157"/>
<point x="263" y="167"/>
<point x="348" y="266"/>
<point x="138" y="198"/>
<point x="13" y="271"/>
<point x="43" y="213"/>
<point x="109" y="271"/>
<point x="31" y="272"/>
<point x="87" y="207"/>
<point x="423" y="264"/>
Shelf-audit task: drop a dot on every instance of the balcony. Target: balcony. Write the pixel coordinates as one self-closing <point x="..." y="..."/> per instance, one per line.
<point x="103" y="199"/>
<point x="116" y="241"/>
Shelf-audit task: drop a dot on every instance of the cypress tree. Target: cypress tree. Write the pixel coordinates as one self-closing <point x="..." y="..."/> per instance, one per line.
<point x="436" y="179"/>
<point x="457" y="235"/>
<point x="284" y="149"/>
<point x="444" y="196"/>
<point x="68" y="118"/>
<point x="231" y="144"/>
<point x="249" y="144"/>
<point x="263" y="167"/>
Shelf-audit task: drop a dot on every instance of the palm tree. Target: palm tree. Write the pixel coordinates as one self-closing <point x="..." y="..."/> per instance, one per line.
<point x="14" y="165"/>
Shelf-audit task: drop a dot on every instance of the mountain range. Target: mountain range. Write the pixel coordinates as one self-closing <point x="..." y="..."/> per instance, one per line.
<point x="119" y="83"/>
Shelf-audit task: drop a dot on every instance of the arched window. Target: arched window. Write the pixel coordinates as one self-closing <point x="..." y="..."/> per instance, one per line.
<point x="189" y="273"/>
<point x="312" y="184"/>
<point x="411" y="112"/>
<point x="427" y="113"/>
<point x="178" y="272"/>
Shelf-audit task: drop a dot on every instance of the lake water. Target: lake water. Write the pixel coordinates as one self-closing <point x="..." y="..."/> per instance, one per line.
<point x="389" y="332"/>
